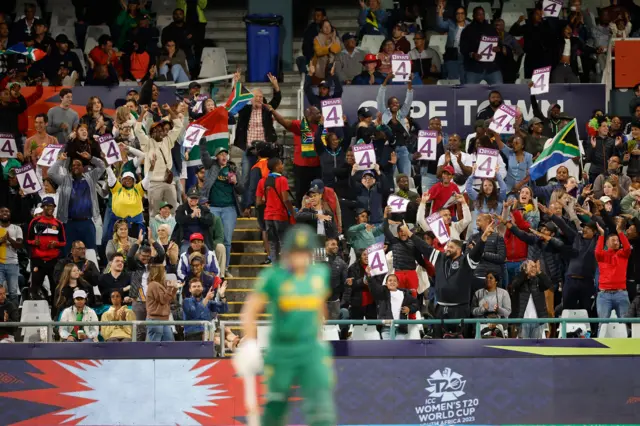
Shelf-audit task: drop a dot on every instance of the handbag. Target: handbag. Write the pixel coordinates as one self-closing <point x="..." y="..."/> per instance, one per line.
<point x="168" y="174"/>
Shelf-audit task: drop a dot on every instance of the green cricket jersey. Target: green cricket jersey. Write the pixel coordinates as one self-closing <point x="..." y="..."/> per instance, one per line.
<point x="294" y="303"/>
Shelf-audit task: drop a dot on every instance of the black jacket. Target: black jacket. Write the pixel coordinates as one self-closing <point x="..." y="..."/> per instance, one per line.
<point x="576" y="45"/>
<point x="352" y="295"/>
<point x="90" y="121"/>
<point x="494" y="256"/>
<point x="549" y="254"/>
<point x="14" y="316"/>
<point x="90" y="272"/>
<point x="469" y="43"/>
<point x="314" y="99"/>
<point x="338" y="276"/>
<point x="582" y="256"/>
<point x="454" y="277"/>
<point x="310" y="34"/>
<point x="599" y="156"/>
<point x="9" y="114"/>
<point x="524" y="286"/>
<point x="55" y="59"/>
<point x="405" y="253"/>
<point x="19" y="206"/>
<point x="382" y="295"/>
<point x="65" y="297"/>
<point x="310" y="217"/>
<point x="332" y="161"/>
<point x="550" y="127"/>
<point x="177" y="34"/>
<point x="267" y="122"/>
<point x="184" y="221"/>
<point x="539" y="43"/>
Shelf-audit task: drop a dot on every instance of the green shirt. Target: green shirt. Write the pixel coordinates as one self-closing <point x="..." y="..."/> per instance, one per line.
<point x="295" y="304"/>
<point x="221" y="194"/>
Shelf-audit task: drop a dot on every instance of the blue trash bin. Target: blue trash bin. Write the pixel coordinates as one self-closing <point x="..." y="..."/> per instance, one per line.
<point x="263" y="46"/>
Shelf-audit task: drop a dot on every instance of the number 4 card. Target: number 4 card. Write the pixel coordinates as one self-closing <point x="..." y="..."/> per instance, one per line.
<point x="110" y="149"/>
<point x="8" y="148"/>
<point x="49" y="155"/>
<point x="192" y="136"/>
<point x="427" y="140"/>
<point x="551" y="8"/>
<point x="377" y="259"/>
<point x="502" y="118"/>
<point x="486" y="163"/>
<point x="397" y="204"/>
<point x="28" y="180"/>
<point x="436" y="223"/>
<point x="332" y="113"/>
<point x="365" y="156"/>
<point x="401" y="67"/>
<point x="540" y="80"/>
<point x="485" y="49"/>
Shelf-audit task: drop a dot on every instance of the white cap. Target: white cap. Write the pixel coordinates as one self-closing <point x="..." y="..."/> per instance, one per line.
<point x="605" y="199"/>
<point x="79" y="294"/>
<point x="38" y="210"/>
<point x="128" y="174"/>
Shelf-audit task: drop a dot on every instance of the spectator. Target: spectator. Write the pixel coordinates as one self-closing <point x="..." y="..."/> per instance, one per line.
<point x="419" y="54"/>
<point x="63" y="295"/>
<point x="398" y="36"/>
<point x="634" y="102"/>
<point x="128" y="19"/>
<point x="158" y="147"/>
<point x="393" y="115"/>
<point x="88" y="270"/>
<point x="172" y="64"/>
<point x="324" y="88"/>
<point x="127" y="196"/>
<point x="362" y="234"/>
<point x="393" y="303"/>
<point x="62" y="120"/>
<point x="495" y="252"/>
<point x="357" y="295"/>
<point x="612" y="283"/>
<point x="278" y="206"/>
<point x="534" y="140"/>
<point x="14" y="199"/>
<point x="164" y="217"/>
<point x="495" y="100"/>
<point x="337" y="280"/>
<point x="491" y="301"/>
<point x="95" y="119"/>
<point x="308" y="39"/>
<point x="454" y="230"/>
<point x="306" y="163"/>
<point x="196" y="21"/>
<point x="372" y="18"/>
<point x="121" y="241"/>
<point x="179" y="32"/>
<point x="117" y="312"/>
<point x="534" y="292"/>
<point x="10" y="242"/>
<point x="160" y="294"/>
<point x="222" y="188"/>
<point x="404" y="256"/>
<point x="4" y="45"/>
<point x="600" y="149"/>
<point x="117" y="279"/>
<point x="45" y="236"/>
<point x="79" y="312"/>
<point x="633" y="150"/>
<point x="331" y="149"/>
<point x="61" y="57"/>
<point x="461" y="162"/>
<point x="370" y="76"/>
<point x="137" y="63"/>
<point x="566" y="66"/>
<point x="198" y="308"/>
<point x="171" y="249"/>
<point x="197" y="246"/>
<point x="41" y="39"/>
<point x="633" y="312"/>
<point x="82" y="148"/>
<point x="317" y="213"/>
<point x="613" y="175"/>
<point x="442" y="192"/>
<point x="104" y="54"/>
<point x="370" y="191"/>
<point x="23" y="28"/>
<point x="326" y="46"/>
<point x="489" y="199"/>
<point x="101" y="75"/>
<point x="475" y="70"/>
<point x="10" y="111"/>
<point x="349" y="62"/>
<point x="510" y="50"/>
<point x="78" y="202"/>
<point x="387" y="48"/>
<point x="539" y="39"/>
<point x="10" y="313"/>
<point x="600" y="38"/>
<point x="192" y="219"/>
<point x="552" y="123"/>
<point x="34" y="145"/>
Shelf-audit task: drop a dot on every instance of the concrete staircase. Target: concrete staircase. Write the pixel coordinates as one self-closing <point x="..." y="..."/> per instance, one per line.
<point x="247" y="254"/>
<point x="227" y="29"/>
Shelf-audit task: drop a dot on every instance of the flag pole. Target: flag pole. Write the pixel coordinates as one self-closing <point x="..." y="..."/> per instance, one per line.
<point x="581" y="147"/>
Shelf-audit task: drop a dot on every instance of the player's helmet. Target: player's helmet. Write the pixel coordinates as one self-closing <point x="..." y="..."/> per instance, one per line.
<point x="300" y="238"/>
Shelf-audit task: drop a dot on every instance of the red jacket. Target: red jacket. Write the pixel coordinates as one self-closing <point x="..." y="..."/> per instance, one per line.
<point x="46" y="229"/>
<point x="613" y="264"/>
<point x="517" y="250"/>
<point x="23" y="119"/>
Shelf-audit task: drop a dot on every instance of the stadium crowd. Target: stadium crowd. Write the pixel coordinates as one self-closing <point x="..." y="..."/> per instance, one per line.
<point x="516" y="247"/>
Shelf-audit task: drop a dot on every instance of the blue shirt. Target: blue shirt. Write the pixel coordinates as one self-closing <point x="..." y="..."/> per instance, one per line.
<point x="80" y="206"/>
<point x="194" y="310"/>
<point x="516" y="171"/>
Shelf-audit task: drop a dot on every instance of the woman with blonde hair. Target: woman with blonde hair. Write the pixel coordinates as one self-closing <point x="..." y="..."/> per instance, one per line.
<point x="70" y="281"/>
<point x="160" y="294"/>
<point x="121" y="241"/>
<point x="170" y="248"/>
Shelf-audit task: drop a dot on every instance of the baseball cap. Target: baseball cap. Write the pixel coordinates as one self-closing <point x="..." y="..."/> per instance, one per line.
<point x="534" y="120"/>
<point x="128" y="175"/>
<point x="220" y="150"/>
<point x="165" y="204"/>
<point x="48" y="201"/>
<point x="62" y="38"/>
<point x="203" y="200"/>
<point x="317" y="186"/>
<point x="348" y="36"/>
<point x="605" y="199"/>
<point x="365" y="112"/>
<point x="193" y="193"/>
<point x="449" y="169"/>
<point x="361" y="210"/>
<point x="79" y="294"/>
<point x="38" y="210"/>
<point x="194" y="85"/>
<point x="324" y="83"/>
<point x="551" y="227"/>
<point x="368" y="172"/>
<point x="196" y="236"/>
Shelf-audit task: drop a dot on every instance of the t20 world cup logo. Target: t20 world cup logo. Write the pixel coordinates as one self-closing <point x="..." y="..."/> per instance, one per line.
<point x="446" y="385"/>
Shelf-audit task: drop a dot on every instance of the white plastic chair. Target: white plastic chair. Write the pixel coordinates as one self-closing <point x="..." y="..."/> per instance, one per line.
<point x="213" y="62"/>
<point x="438" y="42"/>
<point x="263" y="332"/>
<point x="635" y="331"/>
<point x="89" y="44"/>
<point x="80" y="54"/>
<point x="413" y="332"/>
<point x="30" y="307"/>
<point x="330" y="333"/>
<point x="365" y="332"/>
<point x="516" y="6"/>
<point x="448" y="82"/>
<point x="511" y="17"/>
<point x="613" y="330"/>
<point x="92" y="256"/>
<point x="409" y="38"/>
<point x="95" y="31"/>
<point x="371" y="43"/>
<point x="33" y="311"/>
<point x="576" y="313"/>
<point x="68" y="30"/>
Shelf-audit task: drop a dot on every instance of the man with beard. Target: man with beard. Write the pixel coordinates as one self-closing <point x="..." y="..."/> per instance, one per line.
<point x="403" y="190"/>
<point x="198" y="308"/>
<point x="88" y="270"/>
<point x="475" y="69"/>
<point x="495" y="100"/>
<point x="306" y="162"/>
<point x="61" y="56"/>
<point x="10" y="242"/>
<point x="454" y="273"/>
<point x="17" y="202"/>
<point x="550" y="124"/>
<point x="178" y="32"/>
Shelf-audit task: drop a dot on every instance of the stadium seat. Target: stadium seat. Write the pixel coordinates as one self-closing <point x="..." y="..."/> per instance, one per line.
<point x="448" y="82"/>
<point x="90" y="44"/>
<point x="163" y="21"/>
<point x="213" y="62"/>
<point x="412" y="43"/>
<point x="330" y="333"/>
<point x="20" y="8"/>
<point x="413" y="331"/>
<point x="69" y="30"/>
<point x="92" y="256"/>
<point x="365" y="332"/>
<point x="613" y="330"/>
<point x="263" y="336"/>
<point x="80" y="54"/>
<point x="32" y="311"/>
<point x="95" y="31"/>
<point x="511" y="18"/>
<point x="438" y="42"/>
<point x="519" y="6"/>
<point x="635" y="331"/>
<point x="371" y="43"/>
<point x="576" y="313"/>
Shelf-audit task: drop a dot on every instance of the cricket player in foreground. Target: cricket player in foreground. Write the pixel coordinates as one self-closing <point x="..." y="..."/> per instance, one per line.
<point x="295" y="292"/>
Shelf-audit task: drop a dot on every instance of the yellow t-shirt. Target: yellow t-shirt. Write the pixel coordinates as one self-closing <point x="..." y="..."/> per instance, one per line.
<point x="127" y="202"/>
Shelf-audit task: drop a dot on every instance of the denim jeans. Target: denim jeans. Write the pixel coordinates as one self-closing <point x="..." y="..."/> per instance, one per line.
<point x="513" y="269"/>
<point x="10" y="274"/>
<point x="138" y="219"/>
<point x="228" y="215"/>
<point x="302" y="63"/>
<point x="454" y="70"/>
<point x="608" y="301"/>
<point x="428" y="180"/>
<point x="159" y="333"/>
<point x="275" y="233"/>
<point x="80" y="230"/>
<point x="531" y="331"/>
<point x="386" y="334"/>
<point x="476" y="77"/>
<point x="177" y="72"/>
<point x="404" y="160"/>
<point x="248" y="161"/>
